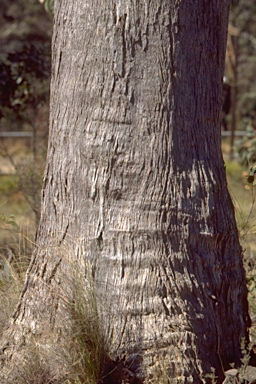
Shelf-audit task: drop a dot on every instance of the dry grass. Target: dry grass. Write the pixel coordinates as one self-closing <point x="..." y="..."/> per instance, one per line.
<point x="11" y="282"/>
<point x="85" y="349"/>
<point x="84" y="352"/>
<point x="79" y="356"/>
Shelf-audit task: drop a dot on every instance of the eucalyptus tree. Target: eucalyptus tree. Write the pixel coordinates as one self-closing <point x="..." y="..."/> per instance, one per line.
<point x="135" y="185"/>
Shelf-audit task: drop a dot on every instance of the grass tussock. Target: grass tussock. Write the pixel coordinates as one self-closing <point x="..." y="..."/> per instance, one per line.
<point x="74" y="352"/>
<point x="37" y="369"/>
<point x="11" y="282"/>
<point x="85" y="347"/>
<point x="78" y="355"/>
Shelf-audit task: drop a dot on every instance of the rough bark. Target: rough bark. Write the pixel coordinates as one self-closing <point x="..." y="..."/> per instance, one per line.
<point x="135" y="176"/>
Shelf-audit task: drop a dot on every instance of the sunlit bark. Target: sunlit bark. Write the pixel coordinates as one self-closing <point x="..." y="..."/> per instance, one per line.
<point x="135" y="176"/>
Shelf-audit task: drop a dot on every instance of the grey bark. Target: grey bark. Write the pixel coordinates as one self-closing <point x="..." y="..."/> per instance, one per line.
<point x="135" y="176"/>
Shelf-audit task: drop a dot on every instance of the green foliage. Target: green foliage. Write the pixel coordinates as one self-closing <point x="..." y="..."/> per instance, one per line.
<point x="8" y="186"/>
<point x="246" y="147"/>
<point x="251" y="176"/>
<point x="8" y="221"/>
<point x="243" y="17"/>
<point x="49" y="5"/>
<point x="22" y="76"/>
<point x="212" y="377"/>
<point x="30" y="176"/>
<point x="26" y="183"/>
<point x="25" y="36"/>
<point x="25" y="64"/>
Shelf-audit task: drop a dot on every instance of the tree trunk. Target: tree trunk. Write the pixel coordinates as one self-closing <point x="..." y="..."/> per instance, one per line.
<point x="135" y="185"/>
